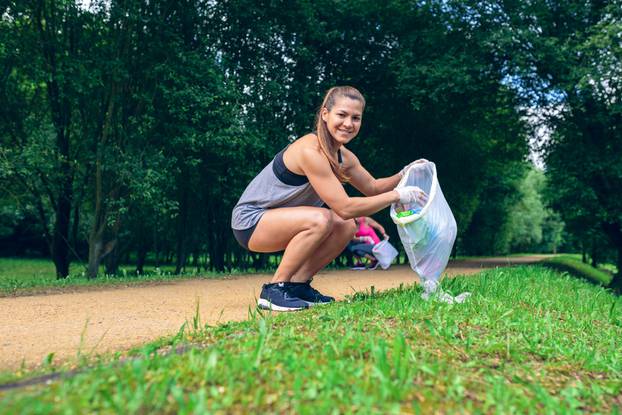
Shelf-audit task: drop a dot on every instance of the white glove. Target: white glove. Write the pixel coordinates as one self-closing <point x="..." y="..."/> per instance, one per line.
<point x="406" y="167"/>
<point x="412" y="194"/>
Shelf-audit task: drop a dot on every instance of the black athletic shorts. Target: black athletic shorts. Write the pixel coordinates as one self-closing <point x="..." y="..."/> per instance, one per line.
<point x="243" y="236"/>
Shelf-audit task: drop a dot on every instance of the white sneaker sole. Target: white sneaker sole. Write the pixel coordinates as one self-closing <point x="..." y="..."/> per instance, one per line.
<point x="267" y="305"/>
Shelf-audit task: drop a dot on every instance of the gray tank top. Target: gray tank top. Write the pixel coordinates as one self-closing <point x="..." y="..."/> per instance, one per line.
<point x="274" y="187"/>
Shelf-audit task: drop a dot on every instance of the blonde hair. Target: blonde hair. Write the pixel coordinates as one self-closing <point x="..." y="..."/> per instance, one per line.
<point x="325" y="138"/>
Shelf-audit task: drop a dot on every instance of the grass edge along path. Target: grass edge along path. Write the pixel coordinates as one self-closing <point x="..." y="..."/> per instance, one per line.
<point x="26" y="277"/>
<point x="565" y="263"/>
<point x="530" y="340"/>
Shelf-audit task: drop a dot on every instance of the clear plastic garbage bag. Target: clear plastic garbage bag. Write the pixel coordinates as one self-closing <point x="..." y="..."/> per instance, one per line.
<point x="427" y="232"/>
<point x="385" y="253"/>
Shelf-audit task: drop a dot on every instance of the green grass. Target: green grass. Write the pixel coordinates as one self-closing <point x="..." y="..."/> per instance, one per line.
<point x="573" y="265"/>
<point x="20" y="276"/>
<point x="529" y="340"/>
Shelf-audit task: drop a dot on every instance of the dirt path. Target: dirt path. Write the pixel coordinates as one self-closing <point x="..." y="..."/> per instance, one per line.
<point x="117" y="319"/>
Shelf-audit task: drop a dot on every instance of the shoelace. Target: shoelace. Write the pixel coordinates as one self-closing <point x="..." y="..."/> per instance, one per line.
<point x="286" y="295"/>
<point x="313" y="290"/>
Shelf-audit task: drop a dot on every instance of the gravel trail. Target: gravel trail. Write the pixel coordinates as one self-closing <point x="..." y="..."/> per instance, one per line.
<point x="112" y="319"/>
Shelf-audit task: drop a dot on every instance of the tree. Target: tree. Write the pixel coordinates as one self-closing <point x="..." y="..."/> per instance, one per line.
<point x="43" y="68"/>
<point x="575" y="53"/>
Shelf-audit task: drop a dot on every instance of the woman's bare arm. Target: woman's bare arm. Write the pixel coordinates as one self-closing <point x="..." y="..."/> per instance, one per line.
<point x="317" y="169"/>
<point x="362" y="180"/>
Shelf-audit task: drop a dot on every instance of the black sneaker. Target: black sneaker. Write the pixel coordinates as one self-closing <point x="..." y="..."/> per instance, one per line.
<point x="278" y="297"/>
<point x="308" y="294"/>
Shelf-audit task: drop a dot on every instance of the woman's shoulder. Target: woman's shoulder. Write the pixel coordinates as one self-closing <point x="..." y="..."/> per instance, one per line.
<point x="303" y="151"/>
<point x="306" y="144"/>
<point x="345" y="152"/>
<point x="349" y="158"/>
<point x="309" y="139"/>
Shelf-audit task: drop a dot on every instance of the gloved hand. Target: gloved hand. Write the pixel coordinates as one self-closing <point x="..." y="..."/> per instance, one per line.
<point x="406" y="167"/>
<point x="412" y="194"/>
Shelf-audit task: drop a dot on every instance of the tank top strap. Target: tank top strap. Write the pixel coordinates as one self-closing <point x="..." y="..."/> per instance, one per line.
<point x="284" y="174"/>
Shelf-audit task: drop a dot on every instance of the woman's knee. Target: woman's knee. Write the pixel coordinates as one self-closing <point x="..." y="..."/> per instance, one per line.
<point x="321" y="221"/>
<point x="351" y="228"/>
<point x="345" y="227"/>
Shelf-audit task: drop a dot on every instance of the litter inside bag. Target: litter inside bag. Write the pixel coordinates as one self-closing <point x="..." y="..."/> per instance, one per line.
<point x="427" y="232"/>
<point x="385" y="253"/>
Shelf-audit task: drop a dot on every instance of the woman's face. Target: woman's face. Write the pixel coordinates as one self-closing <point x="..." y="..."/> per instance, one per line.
<point x="344" y="119"/>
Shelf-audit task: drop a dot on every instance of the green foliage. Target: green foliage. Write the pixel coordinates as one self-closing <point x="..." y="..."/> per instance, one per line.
<point x="575" y="54"/>
<point x="453" y="108"/>
<point x="175" y="107"/>
<point x="532" y="227"/>
<point x="529" y="339"/>
<point x="527" y="216"/>
<point x="490" y="229"/>
<point x="552" y="232"/>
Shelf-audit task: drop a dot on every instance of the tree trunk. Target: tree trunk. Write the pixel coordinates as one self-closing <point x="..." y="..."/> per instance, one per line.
<point x="216" y="243"/>
<point x="75" y="223"/>
<point x="228" y="261"/>
<point x="218" y="257"/>
<point x="195" y="256"/>
<point x="114" y="250"/>
<point x="95" y="248"/>
<point x="112" y="261"/>
<point x="97" y="252"/>
<point x="98" y="248"/>
<point x="96" y="236"/>
<point x="239" y="258"/>
<point x="616" y="282"/>
<point x="260" y="261"/>
<point x="181" y="231"/>
<point x="60" y="111"/>
<point x="60" y="244"/>
<point x="156" y="246"/>
<point x="141" y="256"/>
<point x="614" y="231"/>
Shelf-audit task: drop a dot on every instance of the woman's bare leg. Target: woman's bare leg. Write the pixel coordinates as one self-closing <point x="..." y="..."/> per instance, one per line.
<point x="342" y="232"/>
<point x="300" y="231"/>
